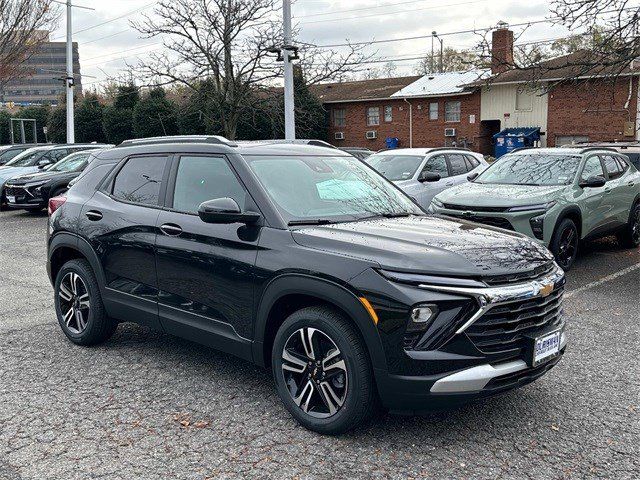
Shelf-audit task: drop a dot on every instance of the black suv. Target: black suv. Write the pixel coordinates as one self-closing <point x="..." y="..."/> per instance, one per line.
<point x="304" y="260"/>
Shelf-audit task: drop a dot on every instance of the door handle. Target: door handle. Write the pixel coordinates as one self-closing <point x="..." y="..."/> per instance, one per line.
<point x="449" y="184"/>
<point x="171" y="229"/>
<point x="631" y="184"/>
<point x="94" y="215"/>
<point x="607" y="191"/>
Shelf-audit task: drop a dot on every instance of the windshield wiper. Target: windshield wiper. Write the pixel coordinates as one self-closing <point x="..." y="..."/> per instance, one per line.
<point x="310" y="221"/>
<point x="388" y="215"/>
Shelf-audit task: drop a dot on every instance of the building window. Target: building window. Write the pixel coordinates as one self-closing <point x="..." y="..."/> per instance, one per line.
<point x="373" y="116"/>
<point x="433" y="111"/>
<point x="524" y="100"/>
<point x="388" y="114"/>
<point x="452" y="111"/>
<point x="339" y="117"/>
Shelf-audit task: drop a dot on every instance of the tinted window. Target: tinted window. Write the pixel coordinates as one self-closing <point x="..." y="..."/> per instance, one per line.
<point x="9" y="154"/>
<point x="437" y="164"/>
<point x="25" y="159"/>
<point x="612" y="167"/>
<point x="396" y="167"/>
<point x="140" y="179"/>
<point x="204" y="178"/>
<point x="592" y="167"/>
<point x="458" y="165"/>
<point x="473" y="161"/>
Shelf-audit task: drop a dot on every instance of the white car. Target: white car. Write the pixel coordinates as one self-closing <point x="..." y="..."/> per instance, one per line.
<point x="422" y="173"/>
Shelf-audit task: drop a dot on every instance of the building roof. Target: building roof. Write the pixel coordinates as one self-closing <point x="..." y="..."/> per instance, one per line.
<point x="359" y="90"/>
<point x="580" y="64"/>
<point x="437" y="84"/>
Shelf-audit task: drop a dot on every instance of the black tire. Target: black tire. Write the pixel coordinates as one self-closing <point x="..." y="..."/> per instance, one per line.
<point x="360" y="401"/>
<point x="98" y="327"/>
<point x="564" y="244"/>
<point x="629" y="237"/>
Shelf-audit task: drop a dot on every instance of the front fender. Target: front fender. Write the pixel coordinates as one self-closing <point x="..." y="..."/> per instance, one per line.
<point x="327" y="291"/>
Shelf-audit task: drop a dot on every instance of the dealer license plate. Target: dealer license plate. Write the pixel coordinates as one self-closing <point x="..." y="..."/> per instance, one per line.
<point x="546" y="347"/>
<point x="11" y="199"/>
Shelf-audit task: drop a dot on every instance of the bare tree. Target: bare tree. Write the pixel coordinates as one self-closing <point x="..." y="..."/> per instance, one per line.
<point x="452" y="61"/>
<point x="233" y="45"/>
<point x="21" y="22"/>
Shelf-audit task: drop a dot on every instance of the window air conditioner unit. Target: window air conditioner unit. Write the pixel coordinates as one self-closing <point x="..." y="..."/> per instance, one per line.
<point x="371" y="134"/>
<point x="338" y="135"/>
<point x="449" y="132"/>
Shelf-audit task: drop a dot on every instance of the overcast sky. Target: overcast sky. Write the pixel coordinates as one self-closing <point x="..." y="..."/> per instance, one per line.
<point x="108" y="41"/>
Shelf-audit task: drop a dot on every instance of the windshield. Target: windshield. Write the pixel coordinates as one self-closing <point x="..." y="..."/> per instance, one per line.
<point x="310" y="189"/>
<point x="25" y="159"/>
<point x="70" y="163"/>
<point x="532" y="169"/>
<point x="396" y="167"/>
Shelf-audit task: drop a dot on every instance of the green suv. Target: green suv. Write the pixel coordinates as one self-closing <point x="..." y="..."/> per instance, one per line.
<point x="558" y="196"/>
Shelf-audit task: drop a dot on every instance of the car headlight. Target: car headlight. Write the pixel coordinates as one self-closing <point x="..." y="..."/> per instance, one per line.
<point x="533" y="208"/>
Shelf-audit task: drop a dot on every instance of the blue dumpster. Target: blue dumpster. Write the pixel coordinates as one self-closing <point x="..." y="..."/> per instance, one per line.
<point x="511" y="138"/>
<point x="392" y="142"/>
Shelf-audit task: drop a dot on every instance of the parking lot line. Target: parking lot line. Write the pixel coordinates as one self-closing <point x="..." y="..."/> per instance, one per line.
<point x="603" y="280"/>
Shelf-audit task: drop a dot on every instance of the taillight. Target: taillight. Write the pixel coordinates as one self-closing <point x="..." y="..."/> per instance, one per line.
<point x="55" y="203"/>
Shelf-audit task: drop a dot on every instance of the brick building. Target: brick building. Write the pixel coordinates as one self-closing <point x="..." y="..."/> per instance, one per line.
<point x="433" y="110"/>
<point x="567" y="102"/>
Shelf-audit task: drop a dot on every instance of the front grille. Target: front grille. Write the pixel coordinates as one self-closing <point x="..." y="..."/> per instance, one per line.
<point x="470" y="208"/>
<point x="491" y="221"/>
<point x="519" y="277"/>
<point x="503" y="328"/>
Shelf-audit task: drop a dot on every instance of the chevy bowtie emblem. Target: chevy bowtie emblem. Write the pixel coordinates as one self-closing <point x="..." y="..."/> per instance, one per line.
<point x="546" y="290"/>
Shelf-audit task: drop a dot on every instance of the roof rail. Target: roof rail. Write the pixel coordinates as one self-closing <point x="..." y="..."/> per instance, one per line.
<point x="590" y="149"/>
<point x="214" y="139"/>
<point x="438" y="149"/>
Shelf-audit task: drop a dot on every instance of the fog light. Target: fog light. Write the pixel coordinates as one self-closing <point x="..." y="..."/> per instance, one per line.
<point x="421" y="317"/>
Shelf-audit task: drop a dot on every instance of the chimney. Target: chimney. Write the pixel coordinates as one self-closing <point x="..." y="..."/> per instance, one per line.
<point x="501" y="49"/>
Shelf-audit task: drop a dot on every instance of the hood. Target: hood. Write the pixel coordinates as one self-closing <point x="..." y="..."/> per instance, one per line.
<point x="428" y="244"/>
<point x="9" y="172"/>
<point x="494" y="195"/>
<point x="41" y="176"/>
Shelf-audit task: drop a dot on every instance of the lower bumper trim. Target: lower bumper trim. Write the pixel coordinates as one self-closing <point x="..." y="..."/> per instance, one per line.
<point x="476" y="378"/>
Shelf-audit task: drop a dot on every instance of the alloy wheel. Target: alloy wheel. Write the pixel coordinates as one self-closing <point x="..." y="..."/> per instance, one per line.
<point x="315" y="372"/>
<point x="568" y="246"/>
<point x="73" y="296"/>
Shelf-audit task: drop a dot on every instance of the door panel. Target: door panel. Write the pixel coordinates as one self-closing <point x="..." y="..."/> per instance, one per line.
<point x="206" y="271"/>
<point x="434" y="164"/>
<point x="594" y="205"/>
<point x="615" y="189"/>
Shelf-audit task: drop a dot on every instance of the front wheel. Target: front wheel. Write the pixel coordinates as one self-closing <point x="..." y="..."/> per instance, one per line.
<point x="322" y="371"/>
<point x="564" y="244"/>
<point x="629" y="237"/>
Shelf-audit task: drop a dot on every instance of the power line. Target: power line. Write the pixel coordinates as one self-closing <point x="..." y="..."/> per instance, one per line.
<point x="357" y="9"/>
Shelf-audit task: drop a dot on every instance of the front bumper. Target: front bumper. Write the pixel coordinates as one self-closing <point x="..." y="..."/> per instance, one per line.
<point x="23" y="198"/>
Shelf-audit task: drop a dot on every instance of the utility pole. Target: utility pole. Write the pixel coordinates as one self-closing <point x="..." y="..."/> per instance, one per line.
<point x="287" y="54"/>
<point x="69" y="80"/>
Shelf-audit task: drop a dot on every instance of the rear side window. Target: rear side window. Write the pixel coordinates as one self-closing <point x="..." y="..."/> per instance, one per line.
<point x="205" y="178"/>
<point x="612" y="167"/>
<point x="437" y="164"/>
<point x="472" y="161"/>
<point x="139" y="180"/>
<point x="458" y="165"/>
<point x="622" y="163"/>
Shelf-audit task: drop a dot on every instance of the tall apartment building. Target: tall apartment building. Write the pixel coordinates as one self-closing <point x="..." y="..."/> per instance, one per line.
<point x="43" y="82"/>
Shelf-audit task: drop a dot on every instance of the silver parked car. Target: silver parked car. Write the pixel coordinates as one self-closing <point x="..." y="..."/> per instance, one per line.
<point x="422" y="173"/>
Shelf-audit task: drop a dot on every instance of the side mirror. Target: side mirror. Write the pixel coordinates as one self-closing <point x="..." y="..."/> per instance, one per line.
<point x="43" y="163"/>
<point x="472" y="176"/>
<point x="429" y="177"/>
<point x="225" y="210"/>
<point x="594" y="181"/>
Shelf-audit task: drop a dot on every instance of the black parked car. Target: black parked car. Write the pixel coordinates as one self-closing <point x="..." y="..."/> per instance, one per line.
<point x="7" y="152"/>
<point x="32" y="191"/>
<point x="306" y="261"/>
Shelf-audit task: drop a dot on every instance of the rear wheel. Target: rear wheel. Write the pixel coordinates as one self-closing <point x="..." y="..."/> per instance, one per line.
<point x="629" y="237"/>
<point x="564" y="244"/>
<point x="322" y="371"/>
<point x="79" y="305"/>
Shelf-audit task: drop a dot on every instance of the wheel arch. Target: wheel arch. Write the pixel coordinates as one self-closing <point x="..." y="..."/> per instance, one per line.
<point x="288" y="293"/>
<point x="65" y="246"/>
<point x="573" y="213"/>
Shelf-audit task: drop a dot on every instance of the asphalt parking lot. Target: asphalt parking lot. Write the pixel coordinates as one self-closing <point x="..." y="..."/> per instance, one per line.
<point x="147" y="405"/>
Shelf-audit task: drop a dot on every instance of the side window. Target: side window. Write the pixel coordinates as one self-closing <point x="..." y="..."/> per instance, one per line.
<point x="458" y="164"/>
<point x="622" y="163"/>
<point x="472" y="161"/>
<point x="592" y="167"/>
<point x="139" y="180"/>
<point x="612" y="167"/>
<point x="201" y="178"/>
<point x="437" y="164"/>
